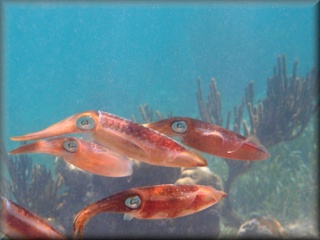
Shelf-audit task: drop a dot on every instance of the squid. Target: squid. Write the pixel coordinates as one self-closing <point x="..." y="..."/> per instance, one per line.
<point x="83" y="154"/>
<point x="19" y="223"/>
<point x="124" y="137"/>
<point x="211" y="139"/>
<point x="151" y="202"/>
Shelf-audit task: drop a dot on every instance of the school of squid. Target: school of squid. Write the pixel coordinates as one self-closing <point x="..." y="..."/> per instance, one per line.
<point x="108" y="148"/>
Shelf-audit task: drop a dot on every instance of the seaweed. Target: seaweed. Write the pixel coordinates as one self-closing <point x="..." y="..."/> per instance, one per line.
<point x="284" y="187"/>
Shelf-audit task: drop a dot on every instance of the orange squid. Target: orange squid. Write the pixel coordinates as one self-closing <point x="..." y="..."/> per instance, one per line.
<point x="19" y="223"/>
<point x="86" y="155"/>
<point x="124" y="137"/>
<point x="210" y="138"/>
<point x="151" y="202"/>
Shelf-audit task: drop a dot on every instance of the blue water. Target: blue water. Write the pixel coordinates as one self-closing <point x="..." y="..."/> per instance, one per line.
<point x="60" y="59"/>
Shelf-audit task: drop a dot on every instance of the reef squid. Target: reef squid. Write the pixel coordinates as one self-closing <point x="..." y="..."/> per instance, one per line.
<point x="19" y="223"/>
<point x="83" y="154"/>
<point x="151" y="202"/>
<point x="124" y="137"/>
<point x="210" y="138"/>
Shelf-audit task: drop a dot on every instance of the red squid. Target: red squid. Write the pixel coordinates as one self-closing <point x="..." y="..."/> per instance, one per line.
<point x="124" y="137"/>
<point x="151" y="202"/>
<point x="19" y="223"/>
<point x="210" y="138"/>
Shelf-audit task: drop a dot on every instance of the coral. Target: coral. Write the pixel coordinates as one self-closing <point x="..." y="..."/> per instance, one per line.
<point x="286" y="110"/>
<point x="201" y="176"/>
<point x="210" y="111"/>
<point x="281" y="116"/>
<point x="32" y="186"/>
<point x="261" y="226"/>
<point x="147" y="115"/>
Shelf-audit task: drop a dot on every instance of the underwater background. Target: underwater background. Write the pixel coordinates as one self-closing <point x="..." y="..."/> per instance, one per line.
<point x="61" y="59"/>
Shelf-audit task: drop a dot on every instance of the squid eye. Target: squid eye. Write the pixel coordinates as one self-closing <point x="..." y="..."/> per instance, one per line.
<point x="179" y="127"/>
<point x="133" y="202"/>
<point x="85" y="123"/>
<point x="70" y="146"/>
